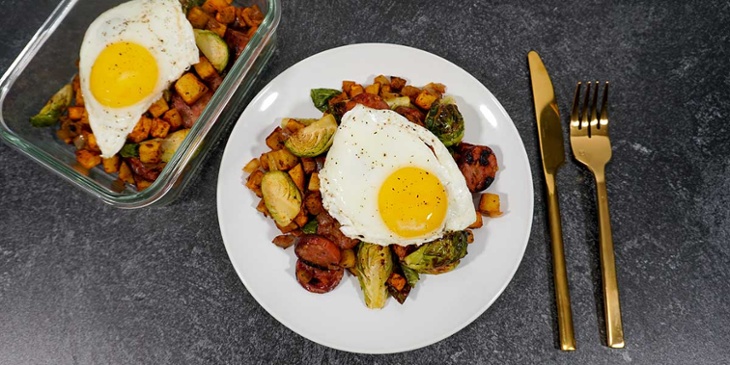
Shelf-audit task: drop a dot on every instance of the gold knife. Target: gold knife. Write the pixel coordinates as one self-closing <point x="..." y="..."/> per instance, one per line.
<point x="552" y="150"/>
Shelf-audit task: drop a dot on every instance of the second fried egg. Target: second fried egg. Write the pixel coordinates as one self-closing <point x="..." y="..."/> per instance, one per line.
<point x="390" y="181"/>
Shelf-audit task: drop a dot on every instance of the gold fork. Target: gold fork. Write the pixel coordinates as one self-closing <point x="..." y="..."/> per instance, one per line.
<point x="591" y="146"/>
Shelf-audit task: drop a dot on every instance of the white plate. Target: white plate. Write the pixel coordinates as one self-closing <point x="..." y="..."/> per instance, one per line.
<point x="440" y="305"/>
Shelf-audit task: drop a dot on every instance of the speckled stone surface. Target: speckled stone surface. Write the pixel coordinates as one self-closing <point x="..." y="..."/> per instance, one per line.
<point x="84" y="283"/>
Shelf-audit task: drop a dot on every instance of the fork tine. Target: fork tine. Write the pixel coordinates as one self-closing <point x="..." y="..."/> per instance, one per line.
<point x="575" y="112"/>
<point x="585" y="123"/>
<point x="603" y="124"/>
<point x="593" y="122"/>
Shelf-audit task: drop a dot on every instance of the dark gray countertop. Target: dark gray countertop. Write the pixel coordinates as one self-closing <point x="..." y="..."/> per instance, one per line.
<point x="84" y="283"/>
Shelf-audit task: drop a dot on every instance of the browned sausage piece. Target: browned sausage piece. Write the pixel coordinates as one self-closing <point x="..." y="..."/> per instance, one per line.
<point x="316" y="280"/>
<point x="284" y="240"/>
<point x="412" y="114"/>
<point x="368" y="100"/>
<point x="147" y="172"/>
<point x="313" y="202"/>
<point x="478" y="164"/>
<point x="318" y="250"/>
<point x="330" y="228"/>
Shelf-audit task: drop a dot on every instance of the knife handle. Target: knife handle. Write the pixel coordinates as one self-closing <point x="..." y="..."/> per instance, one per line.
<point x="612" y="308"/>
<point x="560" y="273"/>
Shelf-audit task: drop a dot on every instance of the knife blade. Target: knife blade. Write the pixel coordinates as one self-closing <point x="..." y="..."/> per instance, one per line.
<point x="552" y="150"/>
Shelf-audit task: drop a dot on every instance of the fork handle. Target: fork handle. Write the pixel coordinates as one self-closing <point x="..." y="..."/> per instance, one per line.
<point x="612" y="308"/>
<point x="560" y="273"/>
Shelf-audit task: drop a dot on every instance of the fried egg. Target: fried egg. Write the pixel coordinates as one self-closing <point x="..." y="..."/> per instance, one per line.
<point x="130" y="54"/>
<point x="390" y="181"/>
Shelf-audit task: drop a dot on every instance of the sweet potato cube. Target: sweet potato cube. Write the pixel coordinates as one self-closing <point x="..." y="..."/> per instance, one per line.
<point x="216" y="27"/>
<point x="347" y="85"/>
<point x="436" y="88"/>
<point x="478" y="223"/>
<point x="75" y="112"/>
<point x="125" y="173"/>
<point x="226" y="15"/>
<point x="159" y="107"/>
<point x="111" y="164"/>
<point x="91" y="144"/>
<point x="355" y="90"/>
<point x="301" y="219"/>
<point x="297" y="175"/>
<point x="87" y="159"/>
<point x="216" y="5"/>
<point x="160" y="128"/>
<point x="411" y="92"/>
<point x="254" y="182"/>
<point x="373" y="89"/>
<point x="276" y="139"/>
<point x="425" y="99"/>
<point x="190" y="88"/>
<point x="173" y="118"/>
<point x="397" y="83"/>
<point x="141" y="183"/>
<point x="252" y="165"/>
<point x="385" y="91"/>
<point x="141" y="131"/>
<point x="309" y="165"/>
<point x="281" y="160"/>
<point x="314" y="182"/>
<point x="292" y="126"/>
<point x="489" y="205"/>
<point x="205" y="69"/>
<point x="382" y="80"/>
<point x="150" y="152"/>
<point x="261" y="207"/>
<point x="197" y="17"/>
<point x="264" y="159"/>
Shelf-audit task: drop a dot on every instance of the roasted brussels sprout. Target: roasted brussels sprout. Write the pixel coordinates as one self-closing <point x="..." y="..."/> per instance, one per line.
<point x="130" y="150"/>
<point x="320" y="97"/>
<point x="281" y="197"/>
<point x="446" y="122"/>
<point x="314" y="139"/>
<point x="374" y="266"/>
<point x="53" y="109"/>
<point x="411" y="275"/>
<point x="439" y="256"/>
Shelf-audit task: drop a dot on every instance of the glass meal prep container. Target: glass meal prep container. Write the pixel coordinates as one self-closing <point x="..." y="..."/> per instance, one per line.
<point x="48" y="62"/>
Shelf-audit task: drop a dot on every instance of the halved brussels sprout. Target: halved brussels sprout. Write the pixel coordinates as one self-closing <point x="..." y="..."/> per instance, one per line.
<point x="281" y="197"/>
<point x="398" y="101"/>
<point x="314" y="139"/>
<point x="446" y="122"/>
<point x="320" y="97"/>
<point x="171" y="143"/>
<point x="53" y="109"/>
<point x="438" y="256"/>
<point x="374" y="266"/>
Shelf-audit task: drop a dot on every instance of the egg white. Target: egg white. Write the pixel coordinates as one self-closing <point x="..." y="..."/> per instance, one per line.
<point x="162" y="28"/>
<point x="368" y="146"/>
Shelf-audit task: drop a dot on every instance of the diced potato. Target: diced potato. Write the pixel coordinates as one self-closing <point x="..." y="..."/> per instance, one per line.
<point x="309" y="165"/>
<point x="264" y="159"/>
<point x="397" y="83"/>
<point x="292" y="126"/>
<point x="197" y="17"/>
<point x="478" y="223"/>
<point x="291" y="227"/>
<point x="87" y="159"/>
<point x="411" y="92"/>
<point x="226" y="15"/>
<point x="216" y="27"/>
<point x="347" y="85"/>
<point x="159" y="107"/>
<point x="173" y="118"/>
<point x="125" y="173"/>
<point x="314" y="182"/>
<point x="252" y="165"/>
<point x="276" y="139"/>
<point x="489" y="205"/>
<point x="111" y="164"/>
<point x="469" y="236"/>
<point x="301" y="219"/>
<point x="355" y="90"/>
<point x="281" y="160"/>
<point x="382" y="80"/>
<point x="141" y="183"/>
<point x="425" y="99"/>
<point x="373" y="89"/>
<point x="216" y="5"/>
<point x="205" y="69"/>
<point x="150" y="152"/>
<point x="190" y="88"/>
<point x="252" y="16"/>
<point x="436" y="88"/>
<point x="261" y="207"/>
<point x="284" y="240"/>
<point x="338" y="98"/>
<point x="141" y="131"/>
<point x="254" y="182"/>
<point x="347" y="258"/>
<point x="76" y="85"/>
<point x="76" y="112"/>
<point x="91" y="144"/>
<point x="160" y="128"/>
<point x="385" y="91"/>
<point x="297" y="175"/>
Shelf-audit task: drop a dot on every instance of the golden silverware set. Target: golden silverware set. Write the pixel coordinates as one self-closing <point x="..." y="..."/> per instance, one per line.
<point x="592" y="147"/>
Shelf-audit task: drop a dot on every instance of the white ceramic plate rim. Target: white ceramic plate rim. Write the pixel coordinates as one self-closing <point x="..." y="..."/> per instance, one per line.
<point x="354" y="328"/>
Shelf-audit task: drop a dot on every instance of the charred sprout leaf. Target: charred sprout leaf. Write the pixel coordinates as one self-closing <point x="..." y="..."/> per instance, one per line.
<point x="321" y="96"/>
<point x="53" y="109"/>
<point x="446" y="122"/>
<point x="411" y="275"/>
<point x="310" y="227"/>
<point x="439" y="256"/>
<point x="130" y="150"/>
<point x="374" y="266"/>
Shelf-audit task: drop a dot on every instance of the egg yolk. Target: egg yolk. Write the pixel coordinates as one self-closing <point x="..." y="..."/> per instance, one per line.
<point x="123" y="74"/>
<point x="412" y="202"/>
